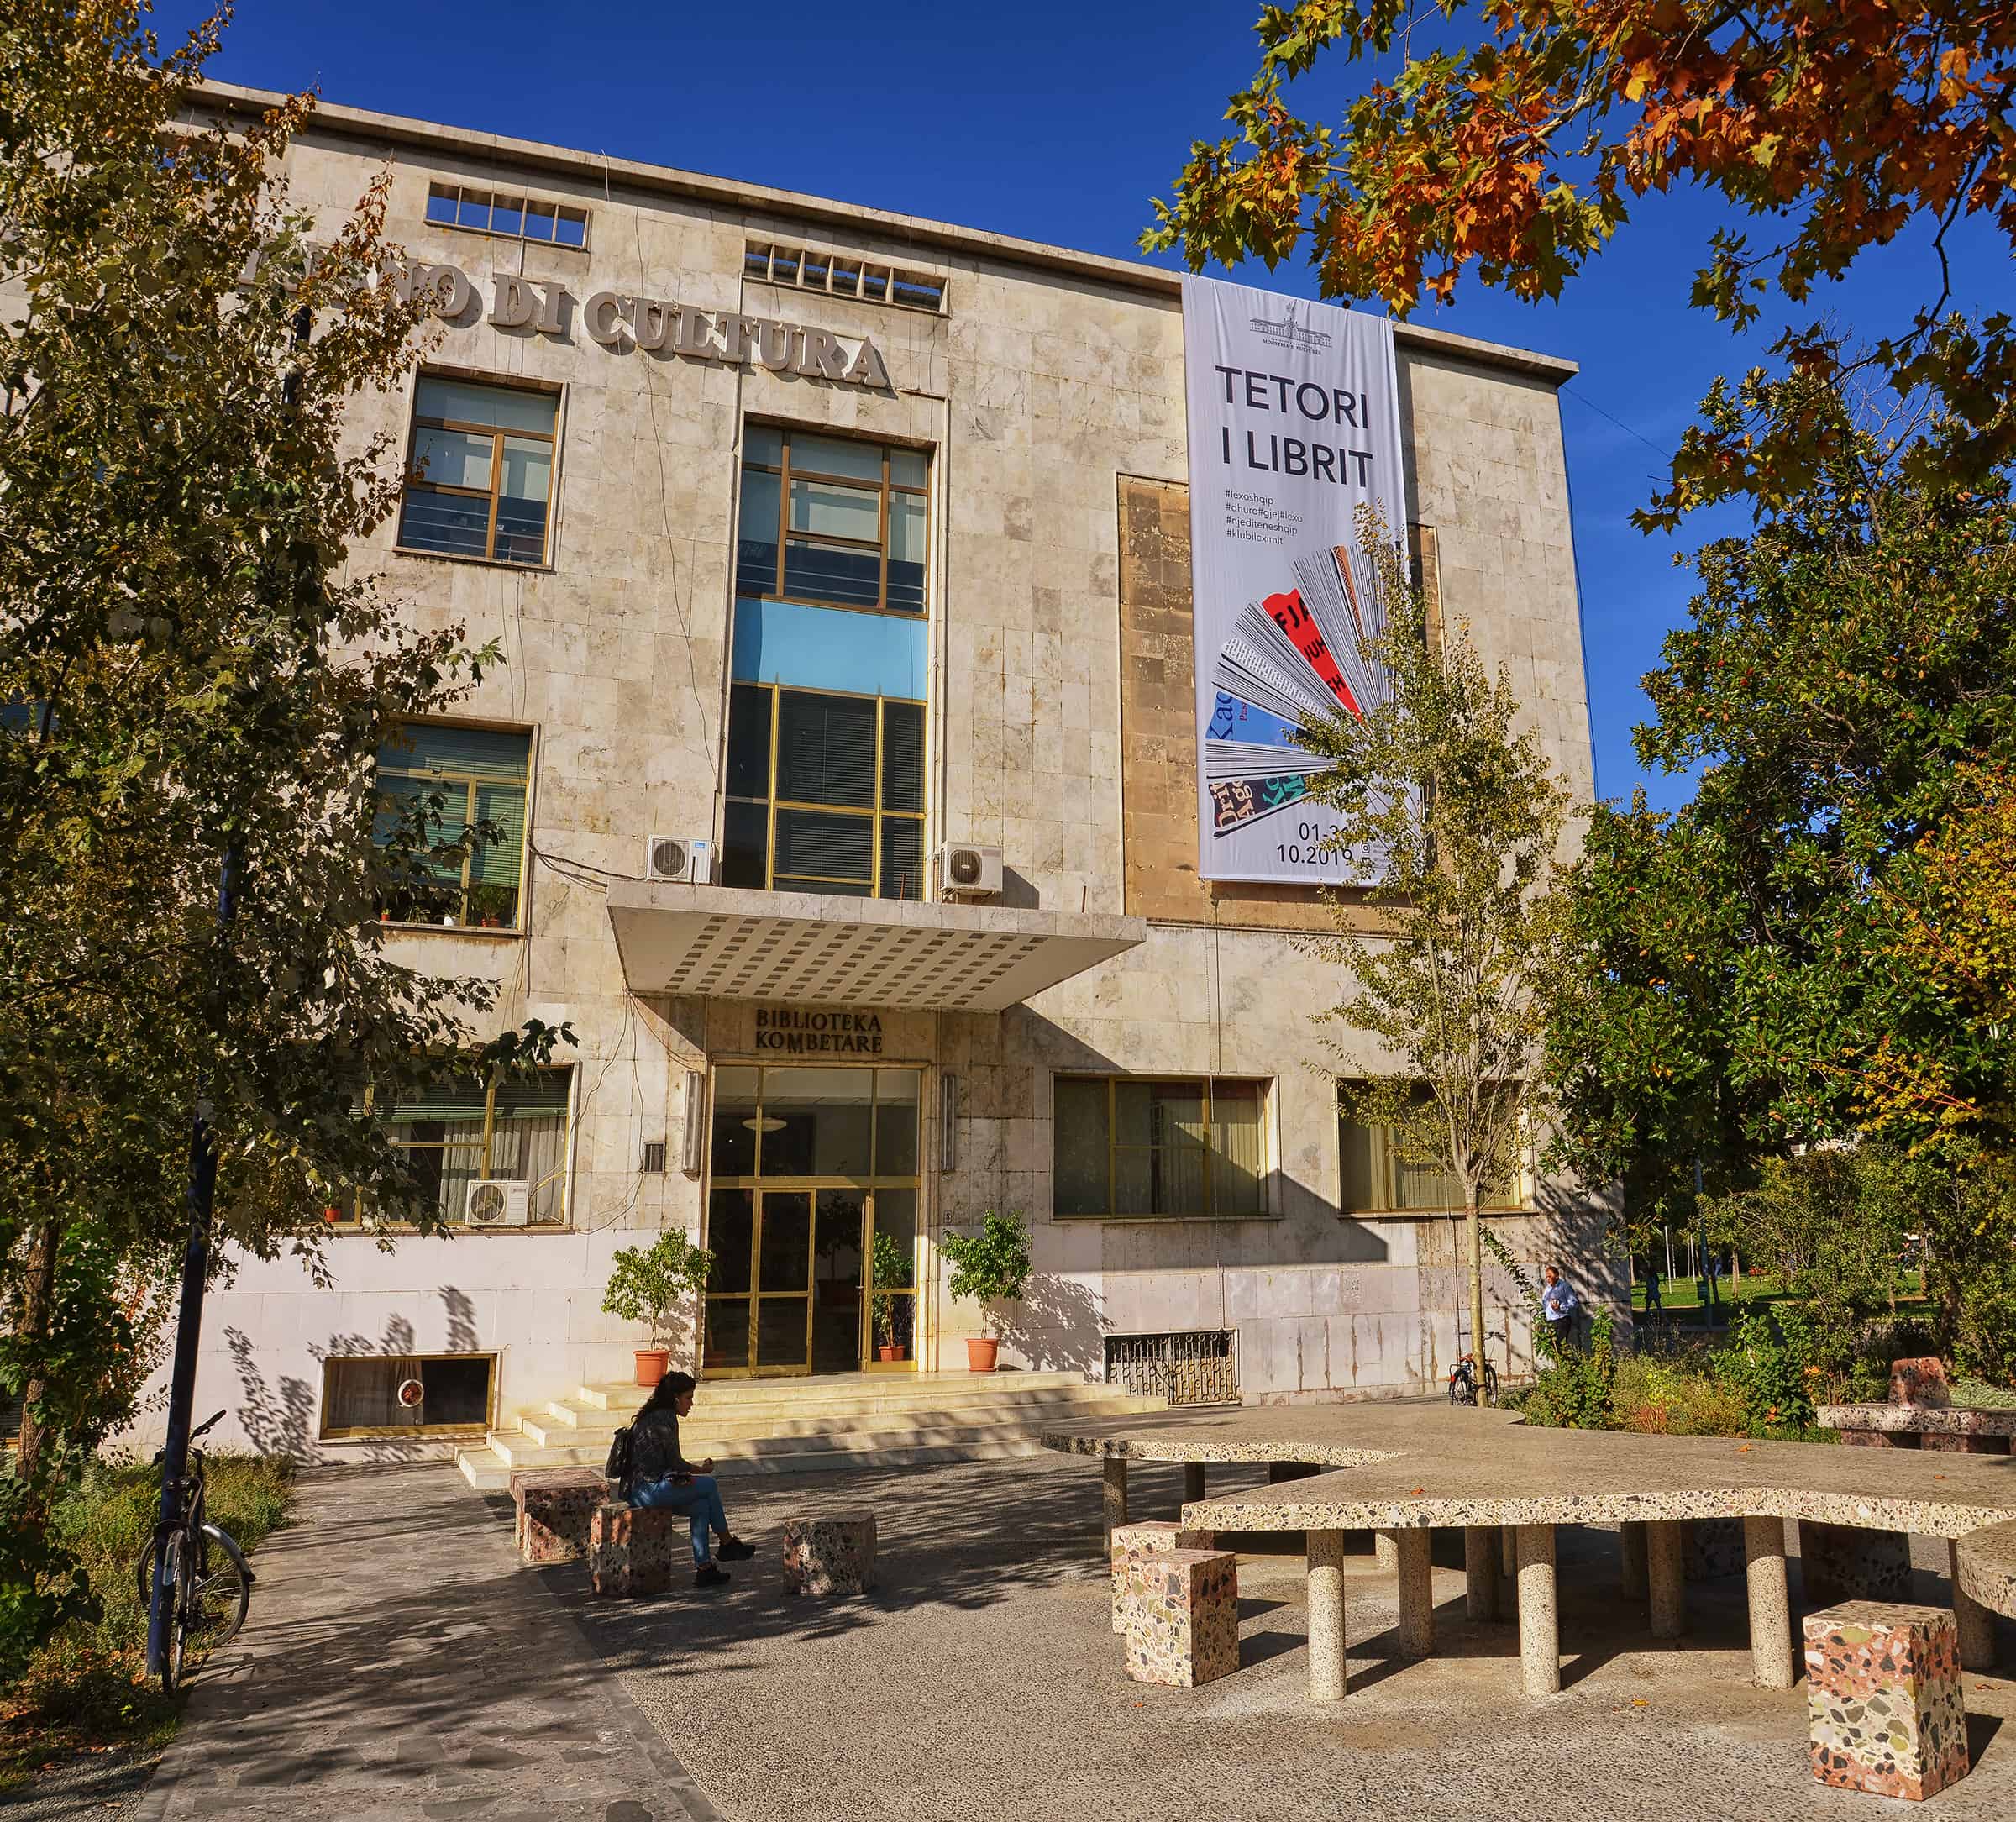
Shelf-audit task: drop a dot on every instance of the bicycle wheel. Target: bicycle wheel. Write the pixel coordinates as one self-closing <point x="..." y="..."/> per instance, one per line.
<point x="208" y="1605"/>
<point x="1490" y="1384"/>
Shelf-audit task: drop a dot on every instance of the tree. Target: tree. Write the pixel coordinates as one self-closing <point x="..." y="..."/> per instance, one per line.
<point x="1524" y="152"/>
<point x="1743" y="958"/>
<point x="193" y="687"/>
<point x="1450" y="821"/>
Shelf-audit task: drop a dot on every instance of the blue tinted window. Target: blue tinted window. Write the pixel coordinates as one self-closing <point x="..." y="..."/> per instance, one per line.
<point x="508" y="218"/>
<point x="474" y="212"/>
<point x="571" y="230"/>
<point x="441" y="208"/>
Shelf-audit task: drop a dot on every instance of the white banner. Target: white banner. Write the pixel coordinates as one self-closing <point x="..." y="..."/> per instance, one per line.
<point x="1295" y="422"/>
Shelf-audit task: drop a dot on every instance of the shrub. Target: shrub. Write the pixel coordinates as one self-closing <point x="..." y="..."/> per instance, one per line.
<point x="1768" y="1362"/>
<point x="1575" y="1392"/>
<point x="645" y="1283"/>
<point x="992" y="1266"/>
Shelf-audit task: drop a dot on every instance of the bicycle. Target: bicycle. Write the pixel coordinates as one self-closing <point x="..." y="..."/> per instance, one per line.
<point x="209" y="1588"/>
<point x="1463" y="1378"/>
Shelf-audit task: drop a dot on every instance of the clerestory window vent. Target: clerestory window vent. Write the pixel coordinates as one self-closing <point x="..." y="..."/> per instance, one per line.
<point x="843" y="275"/>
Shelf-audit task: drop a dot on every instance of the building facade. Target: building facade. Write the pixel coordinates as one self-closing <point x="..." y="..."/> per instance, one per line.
<point x="830" y="551"/>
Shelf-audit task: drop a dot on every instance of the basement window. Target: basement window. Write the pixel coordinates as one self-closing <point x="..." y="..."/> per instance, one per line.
<point x="407" y="1395"/>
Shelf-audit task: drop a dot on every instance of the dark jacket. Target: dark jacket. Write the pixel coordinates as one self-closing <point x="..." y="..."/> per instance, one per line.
<point x="655" y="1448"/>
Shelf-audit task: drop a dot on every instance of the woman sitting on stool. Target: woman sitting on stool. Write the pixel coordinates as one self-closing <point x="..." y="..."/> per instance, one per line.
<point x="664" y="1480"/>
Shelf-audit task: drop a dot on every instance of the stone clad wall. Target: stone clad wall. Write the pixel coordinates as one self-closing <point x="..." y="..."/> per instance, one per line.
<point x="1060" y="724"/>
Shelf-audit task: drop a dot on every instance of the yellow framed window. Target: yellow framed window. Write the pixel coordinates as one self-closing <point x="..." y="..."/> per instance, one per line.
<point x="511" y="1130"/>
<point x="831" y="521"/>
<point x="1385" y="1170"/>
<point x="1136" y="1146"/>
<point x="458" y="776"/>
<point x="825" y="793"/>
<point x="479" y="479"/>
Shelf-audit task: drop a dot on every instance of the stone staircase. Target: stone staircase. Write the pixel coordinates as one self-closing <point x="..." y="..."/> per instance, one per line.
<point x="800" y="1425"/>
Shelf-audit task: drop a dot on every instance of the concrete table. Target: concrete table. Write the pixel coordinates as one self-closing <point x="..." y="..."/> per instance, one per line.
<point x="1397" y="1471"/>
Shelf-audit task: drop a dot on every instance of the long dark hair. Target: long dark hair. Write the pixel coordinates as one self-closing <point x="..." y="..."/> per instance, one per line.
<point x="666" y="1394"/>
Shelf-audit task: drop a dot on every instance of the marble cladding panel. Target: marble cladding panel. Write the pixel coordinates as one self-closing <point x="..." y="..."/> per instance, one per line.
<point x="1182" y="1616"/>
<point x="1151" y="1537"/>
<point x="1884" y="1705"/>
<point x="1848" y="1563"/>
<point x="830" y="1556"/>
<point x="637" y="1549"/>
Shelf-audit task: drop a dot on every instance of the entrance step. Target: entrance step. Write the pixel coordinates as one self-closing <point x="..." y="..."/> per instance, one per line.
<point x="804" y="1425"/>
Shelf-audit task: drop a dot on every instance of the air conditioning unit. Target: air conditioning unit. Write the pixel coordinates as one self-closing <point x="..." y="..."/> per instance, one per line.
<point x="680" y="860"/>
<point x="964" y="867"/>
<point x="500" y="1205"/>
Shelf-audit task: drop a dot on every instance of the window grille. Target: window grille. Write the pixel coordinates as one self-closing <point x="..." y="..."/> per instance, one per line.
<point x="1193" y="1367"/>
<point x="843" y="275"/>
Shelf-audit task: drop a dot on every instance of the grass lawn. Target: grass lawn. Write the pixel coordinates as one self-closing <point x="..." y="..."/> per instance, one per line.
<point x="87" y="1692"/>
<point x="1681" y="1294"/>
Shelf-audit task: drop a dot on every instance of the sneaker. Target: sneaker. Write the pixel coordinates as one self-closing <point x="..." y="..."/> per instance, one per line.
<point x="734" y="1550"/>
<point x="710" y="1575"/>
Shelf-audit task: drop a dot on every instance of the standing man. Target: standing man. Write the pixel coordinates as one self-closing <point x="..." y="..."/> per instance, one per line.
<point x="1651" y="1290"/>
<point x="1558" y="1303"/>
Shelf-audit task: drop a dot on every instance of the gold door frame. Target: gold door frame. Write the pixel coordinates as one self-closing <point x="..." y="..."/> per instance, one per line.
<point x="760" y="1187"/>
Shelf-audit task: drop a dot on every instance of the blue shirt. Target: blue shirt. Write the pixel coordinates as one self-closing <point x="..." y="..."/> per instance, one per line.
<point x="1557" y="1300"/>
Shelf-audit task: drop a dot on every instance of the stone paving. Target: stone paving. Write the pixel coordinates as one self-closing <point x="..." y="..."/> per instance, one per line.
<point x="399" y="1664"/>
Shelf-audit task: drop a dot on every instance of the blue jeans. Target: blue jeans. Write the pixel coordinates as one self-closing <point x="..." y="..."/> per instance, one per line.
<point x="699" y="1496"/>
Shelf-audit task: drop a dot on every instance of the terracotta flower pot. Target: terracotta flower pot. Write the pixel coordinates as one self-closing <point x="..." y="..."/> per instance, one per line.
<point x="981" y="1351"/>
<point x="888" y="1350"/>
<point x="652" y="1363"/>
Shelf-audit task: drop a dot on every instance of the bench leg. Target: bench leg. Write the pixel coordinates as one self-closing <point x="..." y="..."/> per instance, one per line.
<point x="1193" y="1481"/>
<point x="1630" y="1540"/>
<point x="1539" y="1614"/>
<point x="1769" y="1602"/>
<point x="1974" y="1622"/>
<point x="1386" y="1552"/>
<point x="1480" y="1573"/>
<point x="1416" y="1593"/>
<point x="1666" y="1568"/>
<point x="1115" y="1496"/>
<point x="1326" y="1616"/>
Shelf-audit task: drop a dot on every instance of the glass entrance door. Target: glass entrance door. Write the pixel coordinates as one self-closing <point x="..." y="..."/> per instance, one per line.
<point x="812" y="1220"/>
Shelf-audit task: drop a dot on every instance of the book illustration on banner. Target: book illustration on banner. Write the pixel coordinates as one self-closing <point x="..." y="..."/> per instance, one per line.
<point x="1290" y="660"/>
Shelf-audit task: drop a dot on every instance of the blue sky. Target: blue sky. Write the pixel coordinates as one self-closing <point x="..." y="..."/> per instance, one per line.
<point x="1058" y="123"/>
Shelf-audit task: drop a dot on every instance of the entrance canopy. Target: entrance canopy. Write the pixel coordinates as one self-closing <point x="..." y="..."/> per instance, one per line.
<point x="726" y="942"/>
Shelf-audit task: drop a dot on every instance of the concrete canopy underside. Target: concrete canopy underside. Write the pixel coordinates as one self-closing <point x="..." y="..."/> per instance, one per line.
<point x="727" y="944"/>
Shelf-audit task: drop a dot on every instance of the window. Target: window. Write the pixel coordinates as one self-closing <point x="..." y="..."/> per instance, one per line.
<point x="519" y="217"/>
<point x="1134" y="1146"/>
<point x="826" y="793"/>
<point x="1379" y="1176"/>
<point x="479" y="774"/>
<point x="827" y="519"/>
<point x="425" y="1394"/>
<point x="512" y="1130"/>
<point x="481" y="477"/>
<point x="843" y="275"/>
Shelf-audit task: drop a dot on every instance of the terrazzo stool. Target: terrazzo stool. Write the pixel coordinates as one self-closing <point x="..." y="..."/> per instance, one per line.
<point x="1182" y="1616"/>
<point x="830" y="1556"/>
<point x="1883" y="1698"/>
<point x="1152" y="1537"/>
<point x="555" y="1511"/>
<point x="1847" y="1563"/>
<point x="1922" y="1383"/>
<point x="634" y="1550"/>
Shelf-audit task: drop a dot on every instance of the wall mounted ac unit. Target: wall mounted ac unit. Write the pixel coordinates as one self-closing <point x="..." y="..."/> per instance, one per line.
<point x="965" y="867"/>
<point x="500" y="1205"/>
<point x="679" y="860"/>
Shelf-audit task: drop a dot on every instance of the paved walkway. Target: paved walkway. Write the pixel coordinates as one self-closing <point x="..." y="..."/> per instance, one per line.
<point x="398" y="1664"/>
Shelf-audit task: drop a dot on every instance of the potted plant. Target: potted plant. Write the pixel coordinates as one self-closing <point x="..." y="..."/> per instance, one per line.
<point x="890" y="1265"/>
<point x="991" y="1267"/>
<point x="646" y="1282"/>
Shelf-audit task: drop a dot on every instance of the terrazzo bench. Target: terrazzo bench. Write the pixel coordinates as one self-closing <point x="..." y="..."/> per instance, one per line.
<point x="1884" y="1709"/>
<point x="830" y="1556"/>
<point x="1920" y="1415"/>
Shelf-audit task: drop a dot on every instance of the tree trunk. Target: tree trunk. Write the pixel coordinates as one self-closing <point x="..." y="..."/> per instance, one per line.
<point x="1476" y="1227"/>
<point x="38" y="1301"/>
